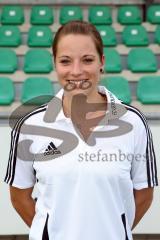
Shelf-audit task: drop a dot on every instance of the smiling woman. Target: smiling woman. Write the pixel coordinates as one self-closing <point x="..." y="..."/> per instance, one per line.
<point x="78" y="63"/>
<point x="78" y="56"/>
<point x="81" y="200"/>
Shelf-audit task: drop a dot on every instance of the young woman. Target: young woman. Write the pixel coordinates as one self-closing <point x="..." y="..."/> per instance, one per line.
<point x="93" y="163"/>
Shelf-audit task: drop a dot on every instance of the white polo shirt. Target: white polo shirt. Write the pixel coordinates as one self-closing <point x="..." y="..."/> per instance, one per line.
<point x="84" y="190"/>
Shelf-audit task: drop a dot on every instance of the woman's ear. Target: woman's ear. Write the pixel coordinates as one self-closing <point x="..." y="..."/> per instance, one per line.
<point x="54" y="63"/>
<point x="102" y="61"/>
<point x="102" y="64"/>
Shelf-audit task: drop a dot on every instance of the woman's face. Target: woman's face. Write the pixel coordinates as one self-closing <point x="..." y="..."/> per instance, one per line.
<point x="78" y="64"/>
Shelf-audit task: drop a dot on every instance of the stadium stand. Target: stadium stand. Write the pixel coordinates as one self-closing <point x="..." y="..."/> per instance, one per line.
<point x="7" y="92"/>
<point x="153" y="14"/>
<point x="135" y="35"/>
<point x="148" y="90"/>
<point x="10" y="36"/>
<point x="142" y="60"/>
<point x="99" y="15"/>
<point x="38" y="61"/>
<point x="69" y="13"/>
<point x="12" y="15"/>
<point x="157" y="35"/>
<point x="129" y="15"/>
<point x="108" y="35"/>
<point x="27" y="31"/>
<point x="8" y="60"/>
<point x="131" y="36"/>
<point x="35" y="89"/>
<point x="113" y="61"/>
<point x="39" y="36"/>
<point x="41" y="15"/>
<point x="119" y="86"/>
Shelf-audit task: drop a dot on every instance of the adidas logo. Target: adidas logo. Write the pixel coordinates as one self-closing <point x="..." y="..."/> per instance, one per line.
<point x="51" y="150"/>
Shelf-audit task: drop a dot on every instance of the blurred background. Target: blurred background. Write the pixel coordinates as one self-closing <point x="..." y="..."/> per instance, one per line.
<point x="130" y="32"/>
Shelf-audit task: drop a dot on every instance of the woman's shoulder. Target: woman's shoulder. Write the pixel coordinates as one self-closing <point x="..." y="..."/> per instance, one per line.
<point x="27" y="115"/>
<point x="135" y="116"/>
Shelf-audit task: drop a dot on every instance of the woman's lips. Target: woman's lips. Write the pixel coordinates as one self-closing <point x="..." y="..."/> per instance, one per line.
<point x="77" y="81"/>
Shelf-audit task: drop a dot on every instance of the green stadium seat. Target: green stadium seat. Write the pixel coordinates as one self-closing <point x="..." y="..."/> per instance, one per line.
<point x="129" y="15"/>
<point x="153" y="14"/>
<point x="12" y="15"/>
<point x="69" y="13"/>
<point x="38" y="61"/>
<point x="10" y="36"/>
<point x="157" y="34"/>
<point x="142" y="60"/>
<point x="108" y="35"/>
<point x="119" y="86"/>
<point x="7" y="92"/>
<point x="39" y="36"/>
<point x="100" y="15"/>
<point x="37" y="90"/>
<point x="41" y="15"/>
<point x="148" y="90"/>
<point x="8" y="61"/>
<point x="135" y="36"/>
<point x="113" y="61"/>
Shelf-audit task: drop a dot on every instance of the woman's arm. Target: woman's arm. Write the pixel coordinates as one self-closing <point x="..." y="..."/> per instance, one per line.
<point x="23" y="203"/>
<point x="143" y="200"/>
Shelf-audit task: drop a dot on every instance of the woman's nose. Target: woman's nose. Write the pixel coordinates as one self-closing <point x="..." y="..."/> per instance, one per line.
<point x="76" y="68"/>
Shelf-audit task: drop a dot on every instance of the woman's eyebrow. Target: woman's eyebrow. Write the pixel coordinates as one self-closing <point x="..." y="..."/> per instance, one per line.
<point x="64" y="56"/>
<point x="89" y="55"/>
<point x="86" y="55"/>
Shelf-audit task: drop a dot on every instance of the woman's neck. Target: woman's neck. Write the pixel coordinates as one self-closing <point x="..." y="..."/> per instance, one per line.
<point x="72" y="105"/>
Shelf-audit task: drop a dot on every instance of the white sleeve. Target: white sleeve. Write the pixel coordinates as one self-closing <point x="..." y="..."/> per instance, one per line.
<point x="20" y="172"/>
<point x="143" y="169"/>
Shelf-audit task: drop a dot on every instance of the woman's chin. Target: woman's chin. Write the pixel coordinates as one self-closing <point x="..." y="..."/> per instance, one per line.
<point x="75" y="91"/>
<point x="78" y="87"/>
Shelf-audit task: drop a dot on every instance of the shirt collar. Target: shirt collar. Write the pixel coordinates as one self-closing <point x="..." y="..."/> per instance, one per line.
<point x="115" y="108"/>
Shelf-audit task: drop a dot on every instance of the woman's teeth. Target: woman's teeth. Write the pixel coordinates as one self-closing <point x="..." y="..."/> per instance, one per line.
<point x="76" y="81"/>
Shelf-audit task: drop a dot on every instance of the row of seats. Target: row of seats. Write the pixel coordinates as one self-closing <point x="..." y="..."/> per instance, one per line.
<point x="133" y="35"/>
<point x="35" y="61"/>
<point x="41" y="61"/>
<point x="42" y="36"/>
<point x="96" y="14"/>
<point x="38" y="90"/>
<point x="147" y="89"/>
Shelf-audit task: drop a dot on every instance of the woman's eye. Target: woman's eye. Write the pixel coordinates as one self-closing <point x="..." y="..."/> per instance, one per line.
<point x="88" y="60"/>
<point x="65" y="61"/>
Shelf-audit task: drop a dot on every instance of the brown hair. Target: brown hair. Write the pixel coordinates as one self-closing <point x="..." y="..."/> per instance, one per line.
<point x="78" y="27"/>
